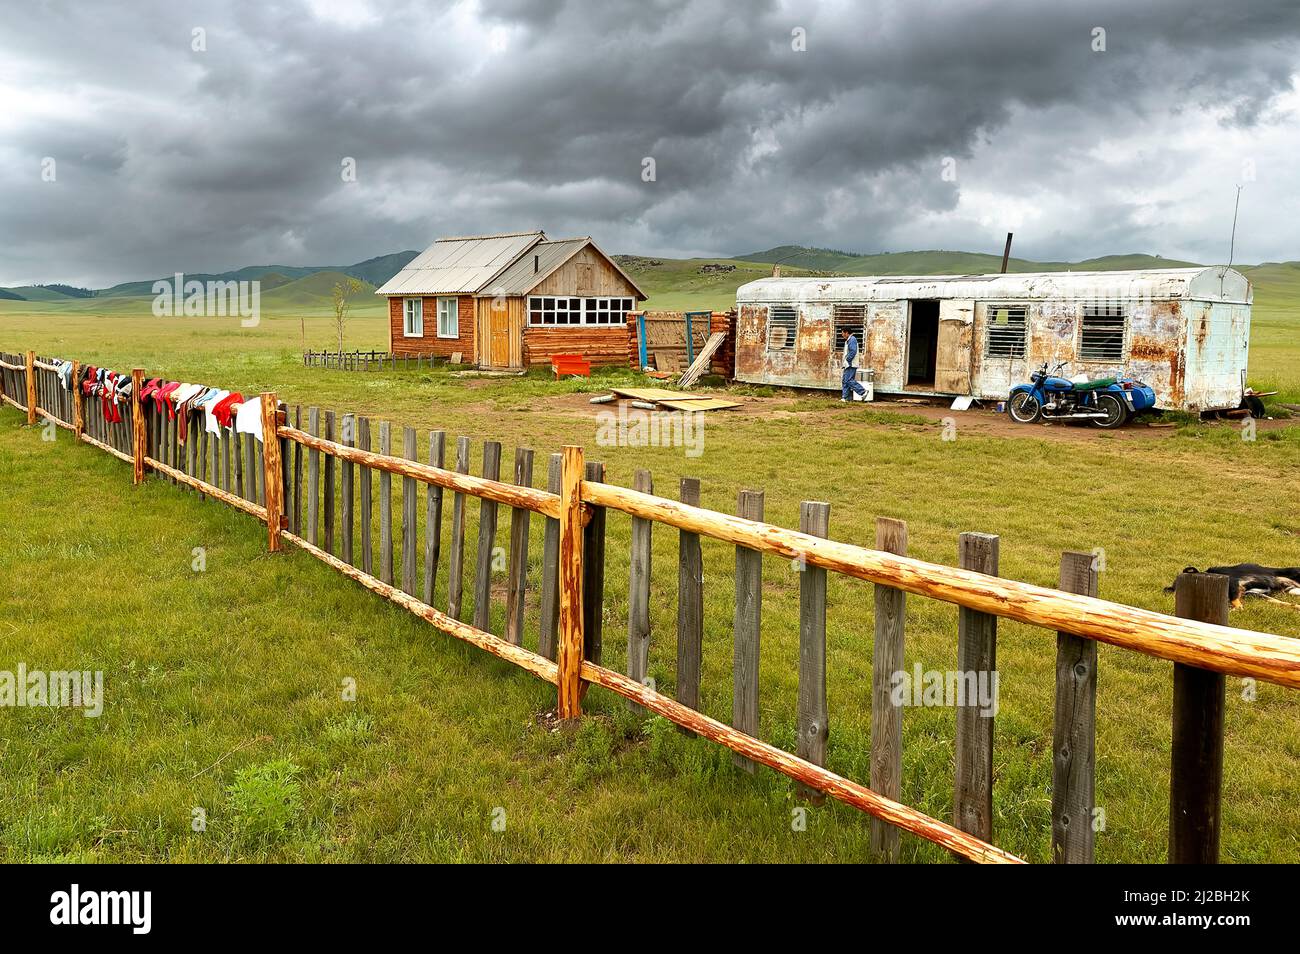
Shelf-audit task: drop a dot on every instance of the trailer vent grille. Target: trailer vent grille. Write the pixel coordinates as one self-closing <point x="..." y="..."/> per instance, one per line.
<point x="1102" y="337"/>
<point x="782" y="322"/>
<point x="853" y="319"/>
<point x="1006" y="331"/>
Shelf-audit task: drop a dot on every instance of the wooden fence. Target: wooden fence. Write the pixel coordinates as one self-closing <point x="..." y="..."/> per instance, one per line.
<point x="365" y="360"/>
<point x="334" y="455"/>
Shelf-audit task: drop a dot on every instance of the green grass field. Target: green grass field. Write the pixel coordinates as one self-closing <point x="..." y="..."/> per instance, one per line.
<point x="223" y="687"/>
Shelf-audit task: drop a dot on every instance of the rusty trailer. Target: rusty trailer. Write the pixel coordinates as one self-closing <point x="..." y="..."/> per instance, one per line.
<point x="1184" y="331"/>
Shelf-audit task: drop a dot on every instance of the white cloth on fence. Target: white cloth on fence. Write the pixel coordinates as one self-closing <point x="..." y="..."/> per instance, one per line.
<point x="209" y="419"/>
<point x="248" y="419"/>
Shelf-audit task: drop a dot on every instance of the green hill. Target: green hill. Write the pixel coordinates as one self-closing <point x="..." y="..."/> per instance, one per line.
<point x="374" y="271"/>
<point x="312" y="292"/>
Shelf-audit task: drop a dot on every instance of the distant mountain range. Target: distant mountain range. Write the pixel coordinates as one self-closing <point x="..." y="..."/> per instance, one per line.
<point x="302" y="285"/>
<point x="942" y="263"/>
<point x="373" y="271"/>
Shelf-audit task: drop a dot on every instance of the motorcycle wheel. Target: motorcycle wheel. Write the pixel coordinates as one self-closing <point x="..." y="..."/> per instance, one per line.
<point x="1116" y="412"/>
<point x="1024" y="408"/>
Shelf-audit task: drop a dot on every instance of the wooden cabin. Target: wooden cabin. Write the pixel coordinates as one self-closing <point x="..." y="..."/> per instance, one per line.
<point x="511" y="301"/>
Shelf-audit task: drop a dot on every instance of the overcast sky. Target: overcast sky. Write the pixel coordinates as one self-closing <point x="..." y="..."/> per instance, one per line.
<point x="867" y="126"/>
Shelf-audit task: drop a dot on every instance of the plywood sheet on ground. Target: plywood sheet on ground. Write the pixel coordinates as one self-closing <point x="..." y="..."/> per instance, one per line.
<point x="707" y="404"/>
<point x="658" y="394"/>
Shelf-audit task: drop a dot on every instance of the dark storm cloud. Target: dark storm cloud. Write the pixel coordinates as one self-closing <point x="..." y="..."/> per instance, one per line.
<point x="500" y="115"/>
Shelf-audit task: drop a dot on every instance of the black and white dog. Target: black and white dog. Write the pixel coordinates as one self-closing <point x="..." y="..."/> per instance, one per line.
<point x="1251" y="579"/>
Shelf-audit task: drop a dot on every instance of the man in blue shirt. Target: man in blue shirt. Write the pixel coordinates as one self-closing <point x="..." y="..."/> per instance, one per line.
<point x="849" y="386"/>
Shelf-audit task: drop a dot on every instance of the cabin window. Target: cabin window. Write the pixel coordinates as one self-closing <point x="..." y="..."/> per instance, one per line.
<point x="547" y="310"/>
<point x="782" y="321"/>
<point x="1007" y="325"/>
<point x="413" y="317"/>
<point x="1102" y="334"/>
<point x="853" y="319"/>
<point x="448" y="318"/>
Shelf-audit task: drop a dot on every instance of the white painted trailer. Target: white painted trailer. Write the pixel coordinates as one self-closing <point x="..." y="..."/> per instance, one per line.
<point x="1183" y="331"/>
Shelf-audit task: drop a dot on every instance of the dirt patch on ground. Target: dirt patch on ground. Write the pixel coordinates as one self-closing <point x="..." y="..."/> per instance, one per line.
<point x="984" y="421"/>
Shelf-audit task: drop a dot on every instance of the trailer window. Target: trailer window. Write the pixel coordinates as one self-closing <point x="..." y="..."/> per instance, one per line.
<point x="1005" y="337"/>
<point x="1102" y="336"/>
<point x="853" y="319"/>
<point x="781" y="324"/>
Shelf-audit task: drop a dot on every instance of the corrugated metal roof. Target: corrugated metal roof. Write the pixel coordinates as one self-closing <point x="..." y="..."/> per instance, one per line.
<point x="460" y="266"/>
<point x="540" y="261"/>
<point x="1202" y="284"/>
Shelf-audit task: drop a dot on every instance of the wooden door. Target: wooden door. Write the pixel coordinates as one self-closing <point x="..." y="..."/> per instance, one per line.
<point x="499" y="336"/>
<point x="953" y="355"/>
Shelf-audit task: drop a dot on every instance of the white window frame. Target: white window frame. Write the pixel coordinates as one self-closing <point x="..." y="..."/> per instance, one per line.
<point x="452" y="308"/>
<point x="591" y="310"/>
<point x="412" y="318"/>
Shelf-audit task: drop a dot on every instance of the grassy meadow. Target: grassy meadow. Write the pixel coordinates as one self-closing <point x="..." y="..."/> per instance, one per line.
<point x="224" y="686"/>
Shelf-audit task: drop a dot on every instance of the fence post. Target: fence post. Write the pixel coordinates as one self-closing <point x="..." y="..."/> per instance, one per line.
<point x="638" y="592"/>
<point x="977" y="635"/>
<point x="569" y="644"/>
<point x="78" y="414"/>
<point x="1074" y="726"/>
<point x="746" y="628"/>
<point x="593" y="573"/>
<point x="887" y="717"/>
<point x="813" y="713"/>
<point x="1196" y="771"/>
<point x="31" y="387"/>
<point x="690" y="605"/>
<point x="137" y="424"/>
<point x="272" y="473"/>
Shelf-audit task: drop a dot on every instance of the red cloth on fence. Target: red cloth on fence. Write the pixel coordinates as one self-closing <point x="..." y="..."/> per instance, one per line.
<point x="224" y="409"/>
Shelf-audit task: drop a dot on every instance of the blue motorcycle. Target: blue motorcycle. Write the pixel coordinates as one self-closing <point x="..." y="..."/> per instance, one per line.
<point x="1105" y="402"/>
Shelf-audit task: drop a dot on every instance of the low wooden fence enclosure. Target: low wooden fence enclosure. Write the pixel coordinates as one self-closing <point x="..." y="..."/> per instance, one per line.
<point x="265" y="479"/>
<point x="365" y="360"/>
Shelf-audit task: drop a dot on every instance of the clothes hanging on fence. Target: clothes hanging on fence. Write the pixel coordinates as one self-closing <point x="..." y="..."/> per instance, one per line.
<point x="65" y="375"/>
<point x="211" y="424"/>
<point x="150" y="389"/>
<point x="181" y="399"/>
<point x="248" y="419"/>
<point x="225" y="408"/>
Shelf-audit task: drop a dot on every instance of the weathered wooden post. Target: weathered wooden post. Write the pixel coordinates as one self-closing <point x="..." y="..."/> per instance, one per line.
<point x="31" y="387"/>
<point x="548" y="625"/>
<point x="746" y="628"/>
<point x="78" y="412"/>
<point x="977" y="636"/>
<point x="569" y="643"/>
<point x="638" y="597"/>
<point x="690" y="605"/>
<point x="886" y="717"/>
<point x="813" y="714"/>
<point x="137" y="423"/>
<point x="518" y="574"/>
<point x="593" y="572"/>
<point x="273" y="475"/>
<point x="1196" y="772"/>
<point x="1074" y="726"/>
